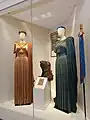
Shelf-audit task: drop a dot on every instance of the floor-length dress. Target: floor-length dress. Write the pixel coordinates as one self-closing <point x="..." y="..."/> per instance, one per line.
<point x="66" y="76"/>
<point x="22" y="81"/>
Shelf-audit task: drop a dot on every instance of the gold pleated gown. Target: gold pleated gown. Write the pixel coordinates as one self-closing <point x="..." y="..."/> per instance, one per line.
<point x="23" y="78"/>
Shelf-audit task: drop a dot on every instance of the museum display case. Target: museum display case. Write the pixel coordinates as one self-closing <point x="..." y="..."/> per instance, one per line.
<point x="41" y="61"/>
<point x="55" y="41"/>
<point x="16" y="71"/>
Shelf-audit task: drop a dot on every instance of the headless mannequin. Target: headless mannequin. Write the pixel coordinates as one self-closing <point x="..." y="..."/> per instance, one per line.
<point x="61" y="33"/>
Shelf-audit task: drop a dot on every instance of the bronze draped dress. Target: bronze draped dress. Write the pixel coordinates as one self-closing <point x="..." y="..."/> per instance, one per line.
<point x="23" y="86"/>
<point x="46" y="70"/>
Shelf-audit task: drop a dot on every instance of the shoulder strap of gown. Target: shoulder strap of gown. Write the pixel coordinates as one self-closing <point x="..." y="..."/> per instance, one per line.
<point x="21" y="47"/>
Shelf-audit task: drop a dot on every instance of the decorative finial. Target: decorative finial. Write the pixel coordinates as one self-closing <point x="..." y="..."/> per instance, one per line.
<point x="81" y="30"/>
<point x="81" y="27"/>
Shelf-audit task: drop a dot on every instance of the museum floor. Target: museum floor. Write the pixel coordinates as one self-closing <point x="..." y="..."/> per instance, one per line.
<point x="9" y="112"/>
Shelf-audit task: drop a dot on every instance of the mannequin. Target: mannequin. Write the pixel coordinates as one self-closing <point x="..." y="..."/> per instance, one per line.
<point x="22" y="71"/>
<point x="61" y="33"/>
<point x="22" y="35"/>
<point x="66" y="73"/>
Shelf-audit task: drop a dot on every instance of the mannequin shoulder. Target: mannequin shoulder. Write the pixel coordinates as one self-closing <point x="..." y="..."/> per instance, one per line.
<point x="70" y="41"/>
<point x="16" y="42"/>
<point x="70" y="38"/>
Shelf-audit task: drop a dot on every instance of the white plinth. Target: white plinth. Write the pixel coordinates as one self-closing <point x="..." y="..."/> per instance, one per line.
<point x="10" y="112"/>
<point x="42" y="94"/>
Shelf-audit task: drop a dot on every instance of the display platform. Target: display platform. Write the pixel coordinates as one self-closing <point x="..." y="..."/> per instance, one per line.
<point x="9" y="112"/>
<point x="42" y="90"/>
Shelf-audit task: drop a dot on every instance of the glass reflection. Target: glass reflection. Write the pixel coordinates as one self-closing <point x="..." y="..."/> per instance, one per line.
<point x="16" y="73"/>
<point x="54" y="43"/>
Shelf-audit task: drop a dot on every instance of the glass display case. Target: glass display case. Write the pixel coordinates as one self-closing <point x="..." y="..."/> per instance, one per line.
<point x="39" y="63"/>
<point x="16" y="71"/>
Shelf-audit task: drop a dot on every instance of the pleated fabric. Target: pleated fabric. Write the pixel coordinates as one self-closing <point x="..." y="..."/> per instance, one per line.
<point x="72" y="72"/>
<point x="21" y="80"/>
<point x="22" y="77"/>
<point x="30" y="66"/>
<point x="66" y="77"/>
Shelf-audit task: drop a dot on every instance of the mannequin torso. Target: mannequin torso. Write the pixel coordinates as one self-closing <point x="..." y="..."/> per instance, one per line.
<point x="62" y="38"/>
<point x="21" y="46"/>
<point x="61" y="42"/>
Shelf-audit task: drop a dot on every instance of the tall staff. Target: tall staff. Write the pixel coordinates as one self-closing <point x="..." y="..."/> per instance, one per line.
<point x="82" y="65"/>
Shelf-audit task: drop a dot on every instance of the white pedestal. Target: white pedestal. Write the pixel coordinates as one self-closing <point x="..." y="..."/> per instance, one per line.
<point x="42" y="93"/>
<point x="10" y="112"/>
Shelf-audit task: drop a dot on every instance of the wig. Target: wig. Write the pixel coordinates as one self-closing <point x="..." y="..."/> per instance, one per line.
<point x="61" y="27"/>
<point x="22" y="32"/>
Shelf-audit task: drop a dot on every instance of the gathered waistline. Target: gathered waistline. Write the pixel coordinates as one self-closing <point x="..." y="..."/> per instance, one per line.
<point x="21" y="55"/>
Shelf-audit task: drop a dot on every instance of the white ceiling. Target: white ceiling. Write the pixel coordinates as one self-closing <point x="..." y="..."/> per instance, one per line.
<point x="7" y="3"/>
<point x="61" y="10"/>
<point x="8" y="7"/>
<point x="2" y="1"/>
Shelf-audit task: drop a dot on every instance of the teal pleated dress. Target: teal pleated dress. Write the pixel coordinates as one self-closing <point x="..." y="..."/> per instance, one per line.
<point x="66" y="76"/>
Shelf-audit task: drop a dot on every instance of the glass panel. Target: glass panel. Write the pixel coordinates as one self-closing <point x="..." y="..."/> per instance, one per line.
<point x="54" y="60"/>
<point x="16" y="69"/>
<point x="39" y="52"/>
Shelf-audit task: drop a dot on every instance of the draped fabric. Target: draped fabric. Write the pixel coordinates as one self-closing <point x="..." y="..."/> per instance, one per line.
<point x="22" y="74"/>
<point x="82" y="58"/>
<point x="30" y="63"/>
<point x="46" y="70"/>
<point x="72" y="71"/>
<point x="66" y="76"/>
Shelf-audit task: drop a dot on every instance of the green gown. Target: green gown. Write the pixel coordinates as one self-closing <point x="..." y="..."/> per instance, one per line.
<point x="66" y="76"/>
